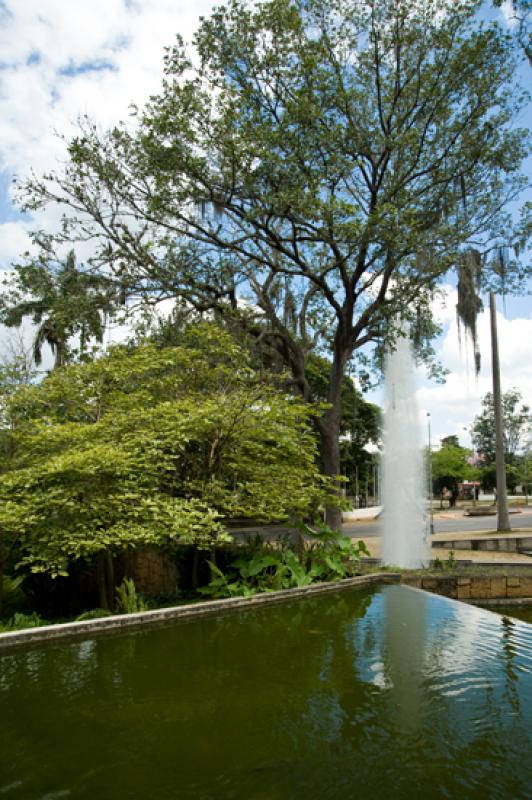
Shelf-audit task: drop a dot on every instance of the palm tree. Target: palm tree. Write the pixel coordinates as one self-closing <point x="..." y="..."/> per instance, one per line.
<point x="61" y="300"/>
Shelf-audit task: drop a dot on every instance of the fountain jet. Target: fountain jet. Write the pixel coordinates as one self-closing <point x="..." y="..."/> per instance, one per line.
<point x="403" y="520"/>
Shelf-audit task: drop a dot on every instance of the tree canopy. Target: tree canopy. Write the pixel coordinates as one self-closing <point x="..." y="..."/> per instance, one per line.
<point x="519" y="18"/>
<point x="517" y="422"/>
<point x="450" y="465"/>
<point x="60" y="299"/>
<point x="152" y="446"/>
<point x="325" y="161"/>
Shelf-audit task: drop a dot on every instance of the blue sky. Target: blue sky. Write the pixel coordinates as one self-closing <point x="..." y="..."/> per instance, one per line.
<point x="60" y="59"/>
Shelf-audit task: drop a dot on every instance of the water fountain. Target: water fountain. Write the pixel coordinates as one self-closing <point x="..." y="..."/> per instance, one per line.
<point x="403" y="521"/>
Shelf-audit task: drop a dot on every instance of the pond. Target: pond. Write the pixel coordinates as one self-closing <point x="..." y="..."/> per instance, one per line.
<point x="515" y="611"/>
<point x="373" y="693"/>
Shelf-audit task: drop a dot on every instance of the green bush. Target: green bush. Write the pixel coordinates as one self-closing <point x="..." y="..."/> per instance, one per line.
<point x="13" y="598"/>
<point x="128" y="601"/>
<point x="20" y="621"/>
<point x="94" y="613"/>
<point x="265" y="567"/>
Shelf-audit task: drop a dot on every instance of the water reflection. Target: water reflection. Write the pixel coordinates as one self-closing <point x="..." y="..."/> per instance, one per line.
<point x="398" y="692"/>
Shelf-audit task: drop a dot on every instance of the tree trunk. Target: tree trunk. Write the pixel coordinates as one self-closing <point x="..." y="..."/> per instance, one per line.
<point x="503" y="518"/>
<point x="110" y="579"/>
<point x="1" y="574"/>
<point x="103" y="599"/>
<point x="329" y="430"/>
<point x="105" y="579"/>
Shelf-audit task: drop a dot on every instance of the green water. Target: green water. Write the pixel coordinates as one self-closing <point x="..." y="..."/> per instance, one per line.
<point x="391" y="693"/>
<point x="523" y="613"/>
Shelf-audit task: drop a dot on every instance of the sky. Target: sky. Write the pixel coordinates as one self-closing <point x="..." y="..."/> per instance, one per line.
<point x="60" y="59"/>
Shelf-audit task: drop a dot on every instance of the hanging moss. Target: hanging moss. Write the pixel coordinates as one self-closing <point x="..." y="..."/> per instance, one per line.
<point x="469" y="303"/>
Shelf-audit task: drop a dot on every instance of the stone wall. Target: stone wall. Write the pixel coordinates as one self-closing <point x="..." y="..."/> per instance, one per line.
<point x="153" y="570"/>
<point x="496" y="544"/>
<point x="157" y="616"/>
<point x="475" y="587"/>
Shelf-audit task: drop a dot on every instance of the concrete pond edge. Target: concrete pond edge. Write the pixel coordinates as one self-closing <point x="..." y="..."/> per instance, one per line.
<point x="126" y="622"/>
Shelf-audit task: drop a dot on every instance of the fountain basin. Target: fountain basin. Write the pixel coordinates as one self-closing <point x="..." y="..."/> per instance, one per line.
<point x="376" y="692"/>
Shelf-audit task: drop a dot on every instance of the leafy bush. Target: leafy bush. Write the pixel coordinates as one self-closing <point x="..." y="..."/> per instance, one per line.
<point x="149" y="446"/>
<point x="266" y="570"/>
<point x="264" y="567"/>
<point x="128" y="601"/>
<point x="14" y="599"/>
<point x="330" y="555"/>
<point x="94" y="613"/>
<point x="21" y="621"/>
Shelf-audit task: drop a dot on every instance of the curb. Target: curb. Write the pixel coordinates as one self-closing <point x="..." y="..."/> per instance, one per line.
<point x="126" y="622"/>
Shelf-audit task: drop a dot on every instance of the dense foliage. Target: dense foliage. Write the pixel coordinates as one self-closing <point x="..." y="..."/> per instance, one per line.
<point x="517" y="426"/>
<point x="324" y="555"/>
<point x="330" y="159"/>
<point x="151" y="446"/>
<point x="451" y="465"/>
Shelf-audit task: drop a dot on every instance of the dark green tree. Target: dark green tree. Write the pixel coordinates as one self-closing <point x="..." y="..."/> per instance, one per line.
<point x="450" y="441"/>
<point x="524" y="465"/>
<point x="450" y="466"/>
<point x="328" y="160"/>
<point x="517" y="419"/>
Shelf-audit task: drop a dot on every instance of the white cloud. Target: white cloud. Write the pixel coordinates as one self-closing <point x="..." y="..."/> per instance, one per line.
<point x="63" y="59"/>
<point x="454" y="404"/>
<point x="508" y="13"/>
<point x="45" y="84"/>
<point x="14" y="240"/>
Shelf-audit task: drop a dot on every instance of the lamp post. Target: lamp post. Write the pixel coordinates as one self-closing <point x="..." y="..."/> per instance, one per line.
<point x="503" y="519"/>
<point x="431" y="511"/>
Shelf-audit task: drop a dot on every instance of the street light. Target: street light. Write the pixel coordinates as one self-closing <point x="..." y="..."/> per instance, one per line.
<point x="431" y="512"/>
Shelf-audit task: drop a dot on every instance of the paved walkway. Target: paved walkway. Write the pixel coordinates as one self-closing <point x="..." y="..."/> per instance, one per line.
<point x="448" y="521"/>
<point x="373" y="543"/>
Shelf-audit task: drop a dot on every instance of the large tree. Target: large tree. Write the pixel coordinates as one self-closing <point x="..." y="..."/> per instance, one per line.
<point x="450" y="466"/>
<point x="328" y="160"/>
<point x="517" y="426"/>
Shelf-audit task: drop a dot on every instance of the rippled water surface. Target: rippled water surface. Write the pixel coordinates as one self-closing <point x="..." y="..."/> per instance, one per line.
<point x="390" y="693"/>
<point x="518" y="611"/>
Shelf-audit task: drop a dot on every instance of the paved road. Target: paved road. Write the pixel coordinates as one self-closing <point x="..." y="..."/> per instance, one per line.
<point x="459" y="523"/>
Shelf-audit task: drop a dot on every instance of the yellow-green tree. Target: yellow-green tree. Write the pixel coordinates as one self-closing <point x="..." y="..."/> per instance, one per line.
<point x="151" y="446"/>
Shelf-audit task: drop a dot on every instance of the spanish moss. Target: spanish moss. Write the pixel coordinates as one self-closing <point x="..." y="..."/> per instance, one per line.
<point x="469" y="302"/>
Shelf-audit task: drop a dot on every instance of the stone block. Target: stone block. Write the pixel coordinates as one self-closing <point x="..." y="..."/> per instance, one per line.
<point x="463" y="591"/>
<point x="526" y="586"/>
<point x="431" y="584"/>
<point x="415" y="582"/>
<point x="463" y="581"/>
<point x="480" y="588"/>
<point x="447" y="587"/>
<point x="504" y="545"/>
<point x="153" y="570"/>
<point x="498" y="586"/>
<point x="514" y="589"/>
